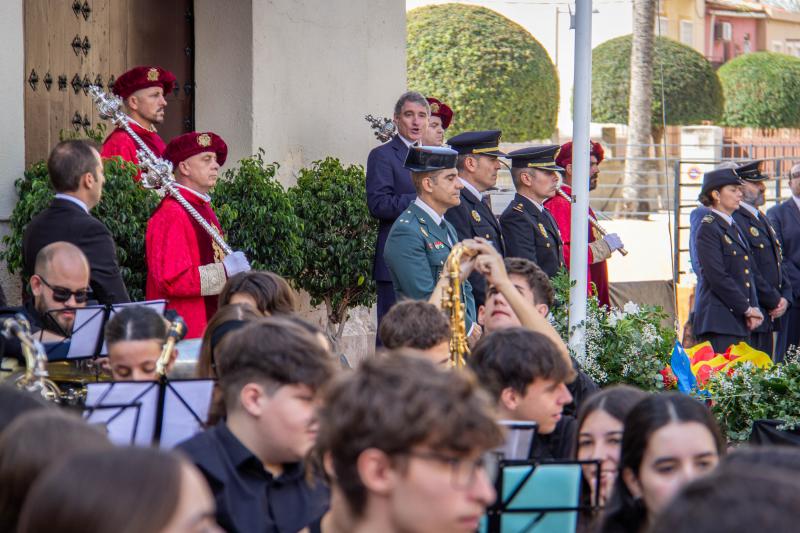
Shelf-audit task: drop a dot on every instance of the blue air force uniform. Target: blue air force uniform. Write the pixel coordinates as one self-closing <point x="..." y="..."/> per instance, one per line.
<point x="473" y="217"/>
<point x="529" y="230"/>
<point x="417" y="247"/>
<point x="728" y="287"/>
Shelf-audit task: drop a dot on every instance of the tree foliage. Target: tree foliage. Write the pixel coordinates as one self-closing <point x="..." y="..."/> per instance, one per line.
<point x="124" y="209"/>
<point x="762" y="90"/>
<point x="338" y="238"/>
<point x="490" y="70"/>
<point x="255" y="211"/>
<point x="692" y="91"/>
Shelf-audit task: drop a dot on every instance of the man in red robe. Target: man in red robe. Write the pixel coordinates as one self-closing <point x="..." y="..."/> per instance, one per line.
<point x="143" y="89"/>
<point x="600" y="248"/>
<point x="184" y="264"/>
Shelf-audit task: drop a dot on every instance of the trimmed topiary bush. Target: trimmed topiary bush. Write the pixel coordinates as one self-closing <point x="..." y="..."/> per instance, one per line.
<point x="124" y="209"/>
<point x="692" y="91"/>
<point x="490" y="70"/>
<point x="762" y="90"/>
<point x="338" y="236"/>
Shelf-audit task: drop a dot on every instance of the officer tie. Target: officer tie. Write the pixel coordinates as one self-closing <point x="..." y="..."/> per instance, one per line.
<point x="444" y="227"/>
<point x="735" y="227"/>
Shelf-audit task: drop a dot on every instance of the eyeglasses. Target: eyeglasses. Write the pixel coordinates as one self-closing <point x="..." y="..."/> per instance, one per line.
<point x="63" y="294"/>
<point x="463" y="472"/>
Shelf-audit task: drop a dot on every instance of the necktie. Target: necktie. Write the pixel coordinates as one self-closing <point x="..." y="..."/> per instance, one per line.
<point x="735" y="227"/>
<point x="444" y="227"/>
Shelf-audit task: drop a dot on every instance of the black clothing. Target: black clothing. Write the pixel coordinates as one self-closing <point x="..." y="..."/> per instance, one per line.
<point x="580" y="389"/>
<point x="249" y="499"/>
<point x="473" y="218"/>
<point x="532" y="233"/>
<point x="66" y="221"/>
<point x="11" y="347"/>
<point x="721" y="343"/>
<point x="785" y="219"/>
<point x="556" y="445"/>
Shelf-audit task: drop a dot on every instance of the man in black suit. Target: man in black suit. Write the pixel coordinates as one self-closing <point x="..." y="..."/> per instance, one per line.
<point x="76" y="172"/>
<point x="389" y="187"/>
<point x="477" y="166"/>
<point x="785" y="218"/>
<point x="529" y="229"/>
<point x="772" y="286"/>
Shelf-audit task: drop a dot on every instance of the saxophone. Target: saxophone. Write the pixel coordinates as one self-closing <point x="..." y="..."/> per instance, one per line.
<point x="454" y="307"/>
<point x="35" y="378"/>
<point x="177" y="331"/>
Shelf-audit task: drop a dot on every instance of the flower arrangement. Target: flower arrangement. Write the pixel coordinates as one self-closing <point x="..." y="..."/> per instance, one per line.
<point x="629" y="345"/>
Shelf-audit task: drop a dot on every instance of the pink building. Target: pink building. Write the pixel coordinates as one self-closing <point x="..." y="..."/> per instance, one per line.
<point x="732" y="29"/>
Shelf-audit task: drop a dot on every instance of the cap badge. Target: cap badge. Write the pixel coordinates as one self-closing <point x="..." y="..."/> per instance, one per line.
<point x="544" y="231"/>
<point x="204" y="139"/>
<point x="434" y="107"/>
<point x="152" y="74"/>
<point x="727" y="239"/>
<point x="476" y="216"/>
<point x="753" y="231"/>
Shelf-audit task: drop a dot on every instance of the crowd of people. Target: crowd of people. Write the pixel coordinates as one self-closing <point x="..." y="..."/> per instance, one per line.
<point x="296" y="439"/>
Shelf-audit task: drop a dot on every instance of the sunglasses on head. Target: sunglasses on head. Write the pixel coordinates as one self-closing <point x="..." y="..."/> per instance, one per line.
<point x="63" y="294"/>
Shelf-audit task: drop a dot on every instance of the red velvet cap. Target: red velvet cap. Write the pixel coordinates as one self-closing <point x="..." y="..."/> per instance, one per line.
<point x="185" y="146"/>
<point x="564" y="157"/>
<point x="141" y="78"/>
<point x="441" y="110"/>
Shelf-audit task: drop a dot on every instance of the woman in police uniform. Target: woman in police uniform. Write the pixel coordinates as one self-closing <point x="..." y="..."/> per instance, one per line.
<point x="726" y="306"/>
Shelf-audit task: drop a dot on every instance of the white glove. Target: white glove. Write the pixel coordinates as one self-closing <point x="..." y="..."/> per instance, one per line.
<point x="235" y="263"/>
<point x="613" y="241"/>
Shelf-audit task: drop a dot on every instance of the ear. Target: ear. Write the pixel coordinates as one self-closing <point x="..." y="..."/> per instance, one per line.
<point x="36" y="285"/>
<point x="88" y="181"/>
<point x="632" y="482"/>
<point x="427" y="183"/>
<point x="481" y="314"/>
<point x="471" y="163"/>
<point x="526" y="178"/>
<point x="252" y="398"/>
<point x="509" y="398"/>
<point x="376" y="472"/>
<point x="133" y="102"/>
<point x="568" y="168"/>
<point x="183" y="168"/>
<point x="543" y="309"/>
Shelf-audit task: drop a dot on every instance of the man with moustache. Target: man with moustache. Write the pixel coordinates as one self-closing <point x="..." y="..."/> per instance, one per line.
<point x="529" y="229"/>
<point x="772" y="285"/>
<point x="477" y="165"/>
<point x="143" y="90"/>
<point x="184" y="264"/>
<point x="421" y="239"/>
<point x="389" y="187"/>
<point x="600" y="247"/>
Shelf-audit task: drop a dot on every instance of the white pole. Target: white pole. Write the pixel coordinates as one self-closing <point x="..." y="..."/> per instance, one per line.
<point x="579" y="251"/>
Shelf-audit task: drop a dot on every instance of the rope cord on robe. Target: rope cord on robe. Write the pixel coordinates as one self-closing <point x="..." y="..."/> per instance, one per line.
<point x="156" y="172"/>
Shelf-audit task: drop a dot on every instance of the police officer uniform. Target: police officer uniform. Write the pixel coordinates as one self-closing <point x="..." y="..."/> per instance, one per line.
<point x="772" y="283"/>
<point x="529" y="229"/>
<point x="473" y="217"/>
<point x="418" y="245"/>
<point x="728" y="287"/>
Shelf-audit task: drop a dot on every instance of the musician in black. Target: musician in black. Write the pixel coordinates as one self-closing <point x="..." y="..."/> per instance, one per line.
<point x="529" y="229"/>
<point x="477" y="165"/>
<point x="726" y="307"/>
<point x="772" y="285"/>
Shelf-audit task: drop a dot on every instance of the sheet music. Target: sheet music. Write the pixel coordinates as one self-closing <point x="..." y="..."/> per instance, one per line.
<point x="125" y="425"/>
<point x="519" y="439"/>
<point x="186" y="409"/>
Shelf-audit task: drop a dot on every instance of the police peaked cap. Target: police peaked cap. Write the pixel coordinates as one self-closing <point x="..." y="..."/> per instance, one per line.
<point x="542" y="157"/>
<point x="751" y="171"/>
<point x="477" y="142"/>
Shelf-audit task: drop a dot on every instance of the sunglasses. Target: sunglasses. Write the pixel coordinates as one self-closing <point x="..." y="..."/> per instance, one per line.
<point x="63" y="294"/>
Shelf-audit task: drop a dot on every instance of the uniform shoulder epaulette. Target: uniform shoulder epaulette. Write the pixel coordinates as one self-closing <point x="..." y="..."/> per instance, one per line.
<point x="708" y="219"/>
<point x="518" y="207"/>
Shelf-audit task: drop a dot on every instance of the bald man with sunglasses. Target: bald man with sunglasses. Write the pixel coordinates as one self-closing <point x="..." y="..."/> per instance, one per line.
<point x="60" y="284"/>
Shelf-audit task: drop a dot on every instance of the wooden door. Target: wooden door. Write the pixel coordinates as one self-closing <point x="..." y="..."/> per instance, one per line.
<point x="70" y="45"/>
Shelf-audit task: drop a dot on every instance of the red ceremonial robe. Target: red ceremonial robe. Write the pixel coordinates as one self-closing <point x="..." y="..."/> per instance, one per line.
<point x="176" y="247"/>
<point x="561" y="209"/>
<point x="122" y="144"/>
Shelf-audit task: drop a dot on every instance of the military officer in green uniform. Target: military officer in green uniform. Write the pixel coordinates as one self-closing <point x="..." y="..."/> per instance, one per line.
<point x="529" y="230"/>
<point x="421" y="239"/>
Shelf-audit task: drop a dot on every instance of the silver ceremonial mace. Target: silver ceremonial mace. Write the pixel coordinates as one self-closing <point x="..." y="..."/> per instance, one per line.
<point x="156" y="172"/>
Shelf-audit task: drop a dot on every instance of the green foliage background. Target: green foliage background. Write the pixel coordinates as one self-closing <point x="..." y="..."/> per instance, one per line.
<point x="338" y="237"/>
<point x="124" y="209"/>
<point x="692" y="91"/>
<point x="490" y="70"/>
<point x="257" y="216"/>
<point x="762" y="90"/>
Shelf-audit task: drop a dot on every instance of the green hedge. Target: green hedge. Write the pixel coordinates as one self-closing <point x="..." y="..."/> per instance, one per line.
<point x="124" y="209"/>
<point x="762" y="90"/>
<point x="692" y="91"/>
<point x="490" y="70"/>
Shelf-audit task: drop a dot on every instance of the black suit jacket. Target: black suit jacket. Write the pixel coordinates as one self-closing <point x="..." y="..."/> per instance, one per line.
<point x="785" y="218"/>
<point x="66" y="221"/>
<point x="472" y="218"/>
<point x="532" y="234"/>
<point x="389" y="192"/>
<point x="771" y="281"/>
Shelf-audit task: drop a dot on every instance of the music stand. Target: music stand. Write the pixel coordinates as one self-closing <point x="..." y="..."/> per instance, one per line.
<point x="519" y="439"/>
<point x="538" y="496"/>
<point x="150" y="413"/>
<point x="87" y="340"/>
